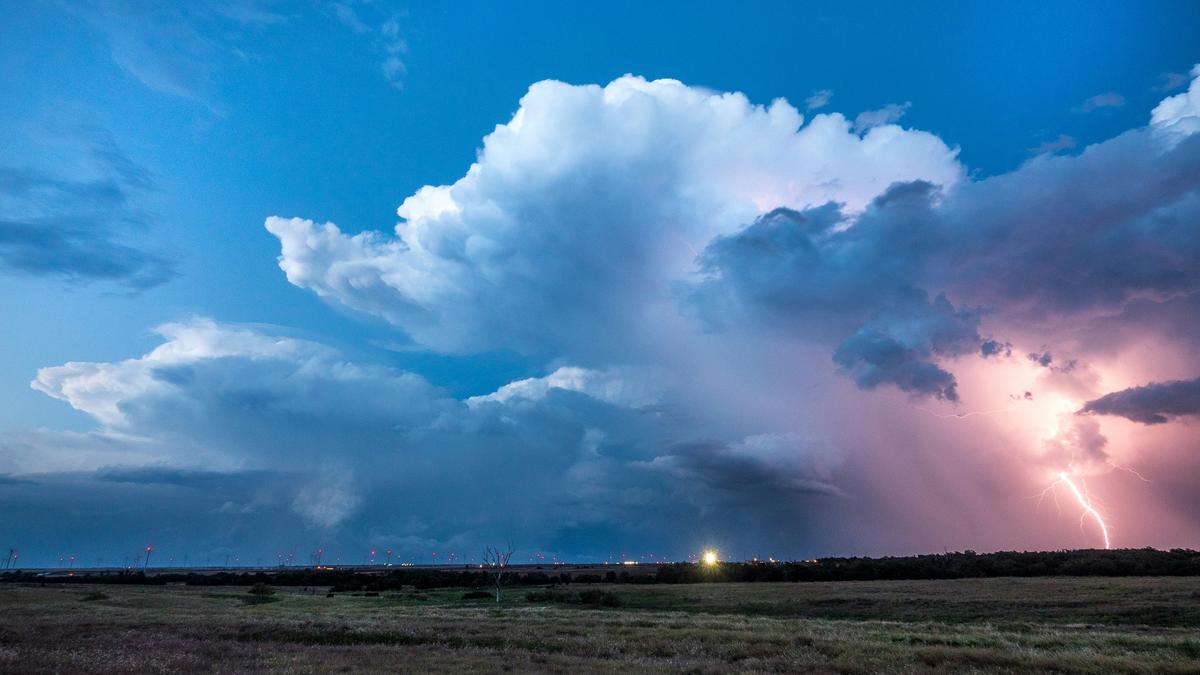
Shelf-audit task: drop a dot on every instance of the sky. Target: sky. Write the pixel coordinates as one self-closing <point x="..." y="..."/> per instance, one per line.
<point x="606" y="281"/>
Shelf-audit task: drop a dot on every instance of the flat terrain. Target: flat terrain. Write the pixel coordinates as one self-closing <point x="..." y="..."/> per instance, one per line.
<point x="1093" y="625"/>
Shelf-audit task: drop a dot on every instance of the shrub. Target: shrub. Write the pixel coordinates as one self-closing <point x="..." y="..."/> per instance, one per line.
<point x="477" y="595"/>
<point x="260" y="593"/>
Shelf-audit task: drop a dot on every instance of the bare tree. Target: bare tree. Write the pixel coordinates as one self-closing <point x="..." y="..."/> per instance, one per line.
<point x="497" y="563"/>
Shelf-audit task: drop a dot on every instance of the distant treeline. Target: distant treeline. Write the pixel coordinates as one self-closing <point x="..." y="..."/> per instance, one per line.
<point x="967" y="564"/>
<point x="1119" y="563"/>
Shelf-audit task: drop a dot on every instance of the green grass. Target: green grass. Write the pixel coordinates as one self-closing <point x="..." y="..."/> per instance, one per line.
<point x="1067" y="625"/>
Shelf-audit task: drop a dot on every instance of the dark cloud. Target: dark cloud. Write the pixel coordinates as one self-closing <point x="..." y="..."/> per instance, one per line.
<point x="1154" y="403"/>
<point x="804" y="270"/>
<point x="898" y="348"/>
<point x="78" y="228"/>
<point x="106" y="522"/>
<point x="1063" y="235"/>
<point x="989" y="348"/>
<point x="756" y="468"/>
<point x="801" y="271"/>
<point x="1043" y="359"/>
<point x="246" y="421"/>
<point x="1057" y="238"/>
<point x="166" y="475"/>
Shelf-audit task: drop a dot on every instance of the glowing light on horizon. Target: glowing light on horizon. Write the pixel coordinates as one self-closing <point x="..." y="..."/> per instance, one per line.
<point x="710" y="557"/>
<point x="1086" y="504"/>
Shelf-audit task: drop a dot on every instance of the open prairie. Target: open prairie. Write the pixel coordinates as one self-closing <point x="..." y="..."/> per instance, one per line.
<point x="999" y="625"/>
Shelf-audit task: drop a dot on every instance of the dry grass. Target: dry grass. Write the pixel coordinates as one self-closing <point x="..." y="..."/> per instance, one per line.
<point x="987" y="626"/>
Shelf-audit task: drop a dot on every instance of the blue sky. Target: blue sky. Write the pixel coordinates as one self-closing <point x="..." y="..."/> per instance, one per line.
<point x="159" y="138"/>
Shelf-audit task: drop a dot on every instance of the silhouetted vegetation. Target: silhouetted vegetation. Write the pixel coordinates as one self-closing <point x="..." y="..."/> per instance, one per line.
<point x="966" y="564"/>
<point x="260" y="593"/>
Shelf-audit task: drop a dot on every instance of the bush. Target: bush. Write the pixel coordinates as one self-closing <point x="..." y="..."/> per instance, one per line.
<point x="260" y="593"/>
<point x="478" y="595"/>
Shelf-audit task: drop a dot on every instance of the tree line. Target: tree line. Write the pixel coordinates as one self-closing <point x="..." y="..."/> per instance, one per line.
<point x="959" y="565"/>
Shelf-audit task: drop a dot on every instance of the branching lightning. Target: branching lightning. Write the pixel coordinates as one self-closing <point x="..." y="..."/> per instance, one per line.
<point x="1130" y="470"/>
<point x="1085" y="503"/>
<point x="969" y="413"/>
<point x="1066" y="478"/>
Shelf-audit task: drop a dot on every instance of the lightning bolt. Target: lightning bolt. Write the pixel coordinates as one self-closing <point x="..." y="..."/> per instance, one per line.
<point x="1085" y="504"/>
<point x="969" y="413"/>
<point x="1130" y="470"/>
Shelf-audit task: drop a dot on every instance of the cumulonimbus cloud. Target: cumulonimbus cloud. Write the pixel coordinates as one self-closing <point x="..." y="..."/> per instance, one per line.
<point x="589" y="211"/>
<point x="584" y="208"/>
<point x="688" y="265"/>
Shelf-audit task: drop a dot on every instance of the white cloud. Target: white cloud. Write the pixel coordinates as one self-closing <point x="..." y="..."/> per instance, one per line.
<point x="626" y="387"/>
<point x="382" y="26"/>
<point x="348" y="445"/>
<point x="1179" y="115"/>
<point x="818" y="99"/>
<point x="576" y="236"/>
<point x="329" y="499"/>
<point x="99" y="389"/>
<point x="888" y="114"/>
<point x="585" y="208"/>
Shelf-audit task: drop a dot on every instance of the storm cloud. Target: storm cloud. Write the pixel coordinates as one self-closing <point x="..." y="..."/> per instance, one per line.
<point x="1154" y="403"/>
<point x="734" y="318"/>
<point x="284" y="425"/>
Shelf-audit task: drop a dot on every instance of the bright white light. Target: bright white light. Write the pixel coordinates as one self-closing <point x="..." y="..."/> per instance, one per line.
<point x="710" y="557"/>
<point x="1086" y="504"/>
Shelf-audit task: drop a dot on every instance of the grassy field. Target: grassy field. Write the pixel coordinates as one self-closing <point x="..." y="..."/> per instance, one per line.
<point x="1093" y="625"/>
